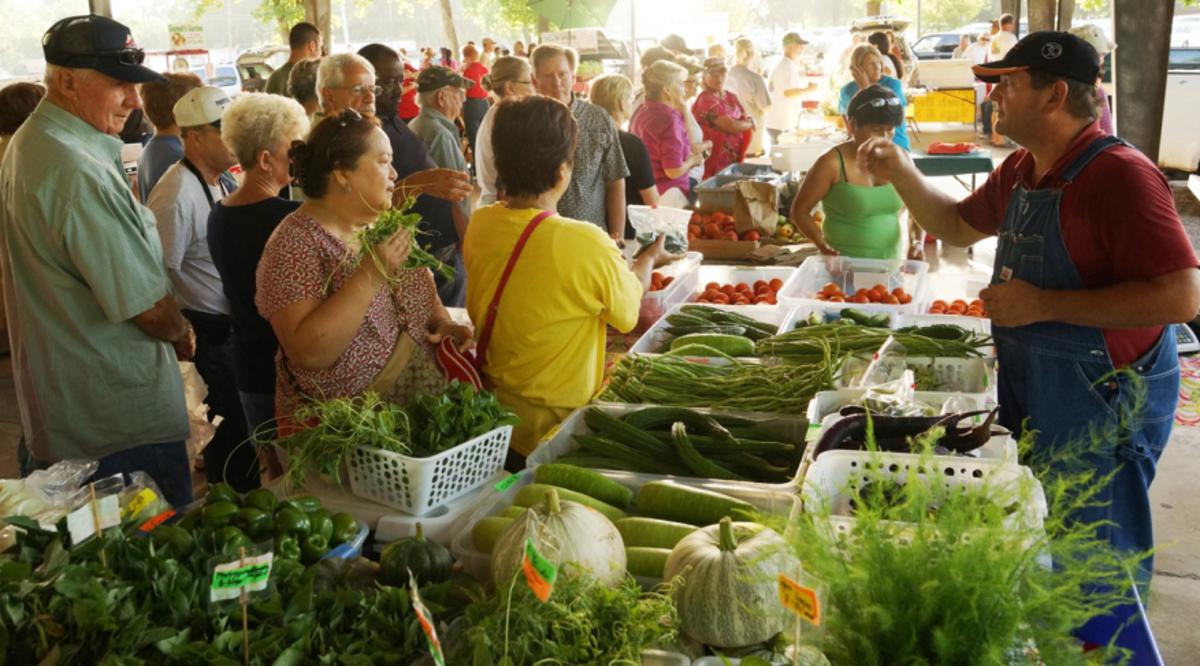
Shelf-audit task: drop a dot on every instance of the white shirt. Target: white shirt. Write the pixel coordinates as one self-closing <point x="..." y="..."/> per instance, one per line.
<point x="1002" y="42"/>
<point x="181" y="211"/>
<point x="485" y="159"/>
<point x="785" y="111"/>
<point x="750" y="87"/>
<point x="977" y="52"/>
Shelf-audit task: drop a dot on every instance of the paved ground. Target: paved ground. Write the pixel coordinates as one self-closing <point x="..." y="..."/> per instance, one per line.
<point x="1174" y="604"/>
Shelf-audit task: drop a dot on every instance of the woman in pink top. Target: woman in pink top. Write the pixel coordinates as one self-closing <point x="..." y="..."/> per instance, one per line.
<point x="343" y="326"/>
<point x="660" y="125"/>
<point x="722" y="118"/>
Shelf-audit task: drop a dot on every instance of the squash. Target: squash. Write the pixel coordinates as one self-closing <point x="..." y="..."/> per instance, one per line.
<point x="570" y="535"/>
<point x="729" y="595"/>
<point x="429" y="562"/>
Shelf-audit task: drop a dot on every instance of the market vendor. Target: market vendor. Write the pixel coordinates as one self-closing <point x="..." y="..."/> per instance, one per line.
<point x="866" y="68"/>
<point x="1092" y="267"/>
<point x="346" y="325"/>
<point x="862" y="211"/>
<point x="721" y="116"/>
<point x="544" y="353"/>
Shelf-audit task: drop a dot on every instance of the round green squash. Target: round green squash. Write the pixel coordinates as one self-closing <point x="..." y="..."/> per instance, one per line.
<point x="429" y="562"/>
<point x="729" y="596"/>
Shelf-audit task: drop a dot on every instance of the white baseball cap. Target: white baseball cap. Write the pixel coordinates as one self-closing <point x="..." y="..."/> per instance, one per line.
<point x="201" y="106"/>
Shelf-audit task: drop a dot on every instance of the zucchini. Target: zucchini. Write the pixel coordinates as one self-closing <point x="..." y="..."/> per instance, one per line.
<point x="606" y="425"/>
<point x="697" y="464"/>
<point x="583" y="459"/>
<point x="659" y="417"/>
<point x="646" y="562"/>
<point x="652" y="532"/>
<point x="718" y="316"/>
<point x="535" y="493"/>
<point x="696" y="506"/>
<point x="640" y="461"/>
<point x="734" y="345"/>
<point x="719" y="329"/>
<point x="584" y="481"/>
<point x="513" y="511"/>
<point x="685" y="319"/>
<point x="713" y="446"/>
<point x="485" y="532"/>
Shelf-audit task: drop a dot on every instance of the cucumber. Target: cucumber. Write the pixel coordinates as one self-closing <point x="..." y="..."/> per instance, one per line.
<point x="734" y="345"/>
<point x="535" y="493"/>
<point x="652" y="532"/>
<point x="584" y="481"/>
<point x="610" y="427"/>
<point x="652" y="418"/>
<point x="697" y="464"/>
<point x="671" y="501"/>
<point x="485" y="532"/>
<point x="681" y="319"/>
<point x="646" y="562"/>
<point x="718" y="329"/>
<point x="513" y="511"/>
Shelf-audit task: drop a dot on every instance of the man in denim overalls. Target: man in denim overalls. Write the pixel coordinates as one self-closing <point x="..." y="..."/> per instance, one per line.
<point x="1092" y="267"/>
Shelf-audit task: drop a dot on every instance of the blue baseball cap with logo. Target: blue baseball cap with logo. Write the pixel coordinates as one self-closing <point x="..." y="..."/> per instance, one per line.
<point x="1058" y="53"/>
<point x="99" y="43"/>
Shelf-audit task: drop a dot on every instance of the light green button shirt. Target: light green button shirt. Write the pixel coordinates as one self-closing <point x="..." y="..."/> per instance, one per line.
<point x="81" y="258"/>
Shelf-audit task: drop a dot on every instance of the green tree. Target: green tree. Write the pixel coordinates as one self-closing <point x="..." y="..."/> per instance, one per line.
<point x="941" y="14"/>
<point x="510" y="17"/>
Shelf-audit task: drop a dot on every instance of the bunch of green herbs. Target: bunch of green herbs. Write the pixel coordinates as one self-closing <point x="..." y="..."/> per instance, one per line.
<point x="584" y="623"/>
<point x="456" y="415"/>
<point x="388" y="224"/>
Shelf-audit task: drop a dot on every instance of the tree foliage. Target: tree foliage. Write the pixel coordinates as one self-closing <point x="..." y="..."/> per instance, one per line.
<point x="508" y="17"/>
<point x="941" y="14"/>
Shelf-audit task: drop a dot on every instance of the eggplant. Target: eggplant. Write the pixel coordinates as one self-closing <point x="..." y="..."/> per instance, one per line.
<point x="895" y="433"/>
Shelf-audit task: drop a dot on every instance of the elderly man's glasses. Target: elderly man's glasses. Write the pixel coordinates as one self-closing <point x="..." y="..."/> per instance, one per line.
<point x="362" y="89"/>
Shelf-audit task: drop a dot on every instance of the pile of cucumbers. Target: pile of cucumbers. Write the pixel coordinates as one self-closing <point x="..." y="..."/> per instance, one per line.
<point x="699" y="330"/>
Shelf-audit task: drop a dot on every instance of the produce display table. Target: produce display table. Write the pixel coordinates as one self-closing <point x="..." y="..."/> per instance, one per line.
<point x="977" y="162"/>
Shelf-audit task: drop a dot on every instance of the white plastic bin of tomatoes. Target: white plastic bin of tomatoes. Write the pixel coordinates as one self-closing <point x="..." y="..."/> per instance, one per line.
<point x="742" y="285"/>
<point x="872" y="285"/>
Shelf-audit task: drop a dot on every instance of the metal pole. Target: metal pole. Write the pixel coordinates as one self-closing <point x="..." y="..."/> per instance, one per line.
<point x="101" y="7"/>
<point x="1141" y="72"/>
<point x="634" y="60"/>
<point x="918" y="19"/>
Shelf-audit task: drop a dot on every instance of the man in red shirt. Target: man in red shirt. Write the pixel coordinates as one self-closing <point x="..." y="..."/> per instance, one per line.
<point x="407" y="109"/>
<point x="476" y="106"/>
<point x="1092" y="267"/>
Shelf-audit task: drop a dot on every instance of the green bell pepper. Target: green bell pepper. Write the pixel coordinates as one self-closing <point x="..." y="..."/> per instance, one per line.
<point x="219" y="514"/>
<point x="222" y="492"/>
<point x="256" y="523"/>
<point x="174" y="540"/>
<point x="321" y="524"/>
<point x="305" y="503"/>
<point x="287" y="547"/>
<point x="345" y="528"/>
<point x="230" y="540"/>
<point x="313" y="548"/>
<point x="261" y="499"/>
<point x="290" y="520"/>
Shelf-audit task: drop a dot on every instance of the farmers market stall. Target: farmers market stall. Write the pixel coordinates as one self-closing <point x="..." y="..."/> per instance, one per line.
<point x="770" y="426"/>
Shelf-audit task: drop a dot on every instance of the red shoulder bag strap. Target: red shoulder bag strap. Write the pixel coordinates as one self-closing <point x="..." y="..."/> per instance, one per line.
<point x="485" y="334"/>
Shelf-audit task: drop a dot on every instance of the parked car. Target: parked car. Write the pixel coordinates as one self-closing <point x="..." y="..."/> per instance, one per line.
<point x="224" y="77"/>
<point x="255" y="66"/>
<point x="893" y="24"/>
<point x="940" y="45"/>
<point x="1179" y="147"/>
<point x="1185" y="32"/>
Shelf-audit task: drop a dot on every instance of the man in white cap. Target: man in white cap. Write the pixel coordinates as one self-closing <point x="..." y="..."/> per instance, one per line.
<point x="181" y="202"/>
<point x="95" y="329"/>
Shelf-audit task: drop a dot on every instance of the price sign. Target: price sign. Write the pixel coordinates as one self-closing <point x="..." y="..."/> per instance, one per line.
<point x="82" y="522"/>
<point x="507" y="483"/>
<point x="249" y="574"/>
<point x="539" y="572"/>
<point x="800" y="600"/>
<point x="140" y="501"/>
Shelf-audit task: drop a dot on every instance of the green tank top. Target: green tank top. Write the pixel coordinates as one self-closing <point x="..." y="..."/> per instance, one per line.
<point x="861" y="220"/>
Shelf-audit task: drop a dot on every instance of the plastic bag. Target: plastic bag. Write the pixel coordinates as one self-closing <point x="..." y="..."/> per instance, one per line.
<point x="650" y="223"/>
<point x="201" y="430"/>
<point x="896" y="398"/>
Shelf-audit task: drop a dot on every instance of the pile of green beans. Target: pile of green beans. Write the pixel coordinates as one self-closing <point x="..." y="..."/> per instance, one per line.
<point x="811" y="343"/>
<point x="674" y="381"/>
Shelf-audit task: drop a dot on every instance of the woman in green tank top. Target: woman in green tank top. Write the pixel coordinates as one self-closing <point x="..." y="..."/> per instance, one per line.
<point x="862" y="214"/>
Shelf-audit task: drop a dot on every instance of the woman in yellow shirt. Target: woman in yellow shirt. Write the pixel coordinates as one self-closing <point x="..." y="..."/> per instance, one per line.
<point x="545" y="356"/>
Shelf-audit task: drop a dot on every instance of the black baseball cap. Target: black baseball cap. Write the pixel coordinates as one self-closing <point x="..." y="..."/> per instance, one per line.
<point x="99" y="43"/>
<point x="435" y="78"/>
<point x="1050" y="51"/>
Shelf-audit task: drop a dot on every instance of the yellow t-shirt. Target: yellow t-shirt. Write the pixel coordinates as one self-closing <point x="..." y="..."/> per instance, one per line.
<point x="546" y="355"/>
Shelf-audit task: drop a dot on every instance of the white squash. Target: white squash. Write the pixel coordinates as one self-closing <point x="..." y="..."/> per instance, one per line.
<point x="571" y="535"/>
<point x="729" y="596"/>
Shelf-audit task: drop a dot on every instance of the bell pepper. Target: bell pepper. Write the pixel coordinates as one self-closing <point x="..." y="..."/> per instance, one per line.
<point x="345" y="528"/>
<point x="175" y="540"/>
<point x="230" y="540"/>
<point x="286" y="571"/>
<point x="256" y="523"/>
<point x="305" y="503"/>
<point x="219" y="514"/>
<point x="222" y="492"/>
<point x="261" y="499"/>
<point x="290" y="520"/>
<point x="287" y="547"/>
<point x="321" y="524"/>
<point x="313" y="548"/>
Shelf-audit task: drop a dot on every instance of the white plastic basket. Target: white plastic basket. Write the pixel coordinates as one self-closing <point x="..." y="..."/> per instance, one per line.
<point x="653" y="340"/>
<point x="825" y="403"/>
<point x="832" y="477"/>
<point x="479" y="564"/>
<point x="417" y="486"/>
<point x="975" y="376"/>
<point x="561" y="441"/>
<point x="439" y="525"/>
<point x="656" y="303"/>
<point x="728" y="274"/>
<point x="853" y="273"/>
<point x="1001" y="448"/>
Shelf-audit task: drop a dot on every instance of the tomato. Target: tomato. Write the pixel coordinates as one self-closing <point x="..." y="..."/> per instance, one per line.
<point x="873" y="296"/>
<point x="742" y="286"/>
<point x="720" y="298"/>
<point x="770" y="298"/>
<point x="776" y="284"/>
<point x="822" y="297"/>
<point x="882" y="288"/>
<point x="898" y="292"/>
<point x="667" y="281"/>
<point x="759" y="284"/>
<point x="712" y="230"/>
<point x="957" y="302"/>
<point x="879" y="294"/>
<point x="905" y="299"/>
<point x="890" y="299"/>
<point x="829" y="288"/>
<point x="859" y="298"/>
<point x="751" y="235"/>
<point x="728" y="290"/>
<point x="836" y="299"/>
<point x="937" y="311"/>
<point x="956" y="310"/>
<point x="939" y="303"/>
<point x="712" y="285"/>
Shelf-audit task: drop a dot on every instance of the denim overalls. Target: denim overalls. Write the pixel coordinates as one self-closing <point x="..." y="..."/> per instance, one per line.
<point x="1058" y="375"/>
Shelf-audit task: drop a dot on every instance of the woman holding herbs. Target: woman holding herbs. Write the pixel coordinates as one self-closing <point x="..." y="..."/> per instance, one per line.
<point x="348" y="318"/>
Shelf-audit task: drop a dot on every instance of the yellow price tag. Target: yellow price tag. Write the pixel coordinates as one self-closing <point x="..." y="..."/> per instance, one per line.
<point x="799" y="599"/>
<point x="140" y="501"/>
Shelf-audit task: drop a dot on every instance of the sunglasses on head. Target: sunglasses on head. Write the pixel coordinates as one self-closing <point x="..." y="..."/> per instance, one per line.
<point x="878" y="103"/>
<point x="128" y="57"/>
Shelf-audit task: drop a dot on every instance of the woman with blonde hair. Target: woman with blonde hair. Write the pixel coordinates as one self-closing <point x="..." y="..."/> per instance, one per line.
<point x="510" y="78"/>
<point x="866" y="68"/>
<point x="660" y="123"/>
<point x="614" y="94"/>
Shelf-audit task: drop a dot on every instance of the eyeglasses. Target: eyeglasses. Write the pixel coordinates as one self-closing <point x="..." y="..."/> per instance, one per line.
<point x="128" y="57"/>
<point x="362" y="89"/>
<point x="878" y="103"/>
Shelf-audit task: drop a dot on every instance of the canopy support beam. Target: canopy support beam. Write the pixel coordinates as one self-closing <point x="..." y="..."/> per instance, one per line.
<point x="1142" y="29"/>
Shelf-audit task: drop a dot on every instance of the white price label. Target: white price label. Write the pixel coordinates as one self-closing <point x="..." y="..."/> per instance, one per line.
<point x="81" y="523"/>
<point x="250" y="574"/>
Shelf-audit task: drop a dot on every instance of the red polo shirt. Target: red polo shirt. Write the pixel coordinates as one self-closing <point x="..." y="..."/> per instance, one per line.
<point x="476" y="71"/>
<point x="1118" y="221"/>
<point x="408" y="109"/>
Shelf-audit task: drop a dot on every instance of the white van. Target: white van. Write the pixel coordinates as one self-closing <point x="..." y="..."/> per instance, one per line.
<point x="1179" y="146"/>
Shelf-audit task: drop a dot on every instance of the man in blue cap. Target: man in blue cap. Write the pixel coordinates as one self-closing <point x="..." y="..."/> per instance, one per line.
<point x="96" y="333"/>
<point x="1092" y="268"/>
